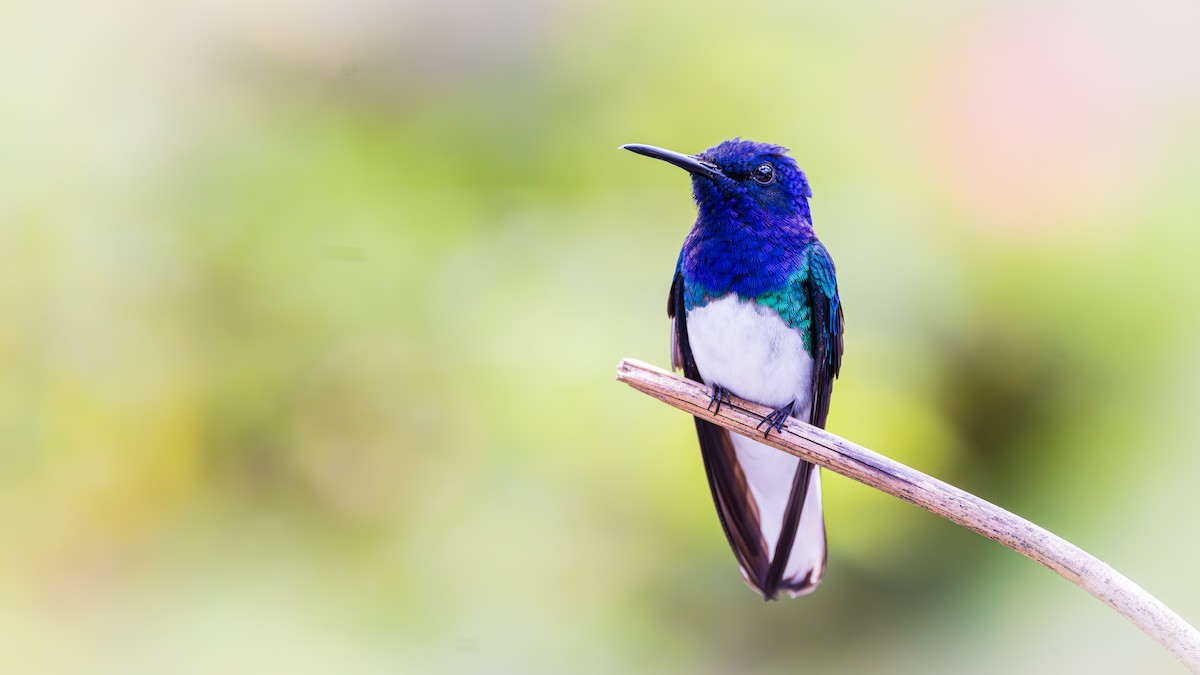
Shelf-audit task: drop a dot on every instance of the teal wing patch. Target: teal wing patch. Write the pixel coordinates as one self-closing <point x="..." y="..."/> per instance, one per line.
<point x="792" y="305"/>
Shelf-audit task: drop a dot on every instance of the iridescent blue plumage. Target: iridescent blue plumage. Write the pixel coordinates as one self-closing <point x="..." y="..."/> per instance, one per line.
<point x="757" y="314"/>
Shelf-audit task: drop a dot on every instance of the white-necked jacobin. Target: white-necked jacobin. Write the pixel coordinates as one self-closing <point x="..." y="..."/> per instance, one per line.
<point x="756" y="314"/>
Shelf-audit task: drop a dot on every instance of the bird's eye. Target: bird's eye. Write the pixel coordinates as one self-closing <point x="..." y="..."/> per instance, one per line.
<point x="764" y="173"/>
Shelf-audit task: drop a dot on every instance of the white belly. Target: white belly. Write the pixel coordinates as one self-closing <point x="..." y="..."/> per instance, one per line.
<point x="750" y="351"/>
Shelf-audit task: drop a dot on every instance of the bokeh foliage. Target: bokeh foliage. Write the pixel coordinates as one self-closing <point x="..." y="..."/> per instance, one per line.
<point x="309" y="314"/>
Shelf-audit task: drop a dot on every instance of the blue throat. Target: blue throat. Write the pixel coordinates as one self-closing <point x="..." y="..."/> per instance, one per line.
<point x="742" y="245"/>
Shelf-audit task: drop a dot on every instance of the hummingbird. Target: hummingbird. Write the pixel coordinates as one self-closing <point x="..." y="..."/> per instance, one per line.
<point x="756" y="314"/>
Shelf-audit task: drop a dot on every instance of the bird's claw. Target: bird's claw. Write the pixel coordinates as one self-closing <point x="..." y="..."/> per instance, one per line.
<point x="776" y="419"/>
<point x="719" y="395"/>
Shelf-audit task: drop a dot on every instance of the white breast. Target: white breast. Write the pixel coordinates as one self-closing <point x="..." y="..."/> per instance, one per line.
<point x="750" y="351"/>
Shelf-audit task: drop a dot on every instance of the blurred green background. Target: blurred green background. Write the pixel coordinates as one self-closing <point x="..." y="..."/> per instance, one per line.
<point x="309" y="314"/>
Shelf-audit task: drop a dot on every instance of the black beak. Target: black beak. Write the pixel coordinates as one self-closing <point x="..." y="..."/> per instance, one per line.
<point x="690" y="163"/>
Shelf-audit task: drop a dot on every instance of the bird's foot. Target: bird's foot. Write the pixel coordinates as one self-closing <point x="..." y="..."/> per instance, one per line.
<point x="719" y="395"/>
<point x="776" y="418"/>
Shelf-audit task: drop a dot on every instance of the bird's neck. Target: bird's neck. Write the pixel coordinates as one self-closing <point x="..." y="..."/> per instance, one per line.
<point x="737" y="248"/>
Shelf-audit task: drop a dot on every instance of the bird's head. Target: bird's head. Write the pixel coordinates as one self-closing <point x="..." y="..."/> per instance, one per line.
<point x="742" y="181"/>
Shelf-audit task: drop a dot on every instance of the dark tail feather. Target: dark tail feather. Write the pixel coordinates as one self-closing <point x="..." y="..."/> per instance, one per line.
<point x="785" y="494"/>
<point x="735" y="504"/>
<point x="787" y="531"/>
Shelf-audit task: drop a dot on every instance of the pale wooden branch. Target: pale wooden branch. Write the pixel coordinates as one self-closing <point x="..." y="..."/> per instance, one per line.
<point x="858" y="463"/>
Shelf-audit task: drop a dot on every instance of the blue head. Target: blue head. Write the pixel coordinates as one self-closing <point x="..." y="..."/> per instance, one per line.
<point x="754" y="218"/>
<point x="742" y="182"/>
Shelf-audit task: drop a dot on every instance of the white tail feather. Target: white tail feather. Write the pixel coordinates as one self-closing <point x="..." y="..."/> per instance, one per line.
<point x="770" y="474"/>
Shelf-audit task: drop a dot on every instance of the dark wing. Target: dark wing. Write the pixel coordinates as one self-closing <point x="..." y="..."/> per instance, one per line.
<point x="821" y="286"/>
<point x="676" y="354"/>
<point x="730" y="490"/>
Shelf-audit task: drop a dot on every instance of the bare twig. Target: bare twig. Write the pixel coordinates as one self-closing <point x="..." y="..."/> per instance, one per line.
<point x="860" y="464"/>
